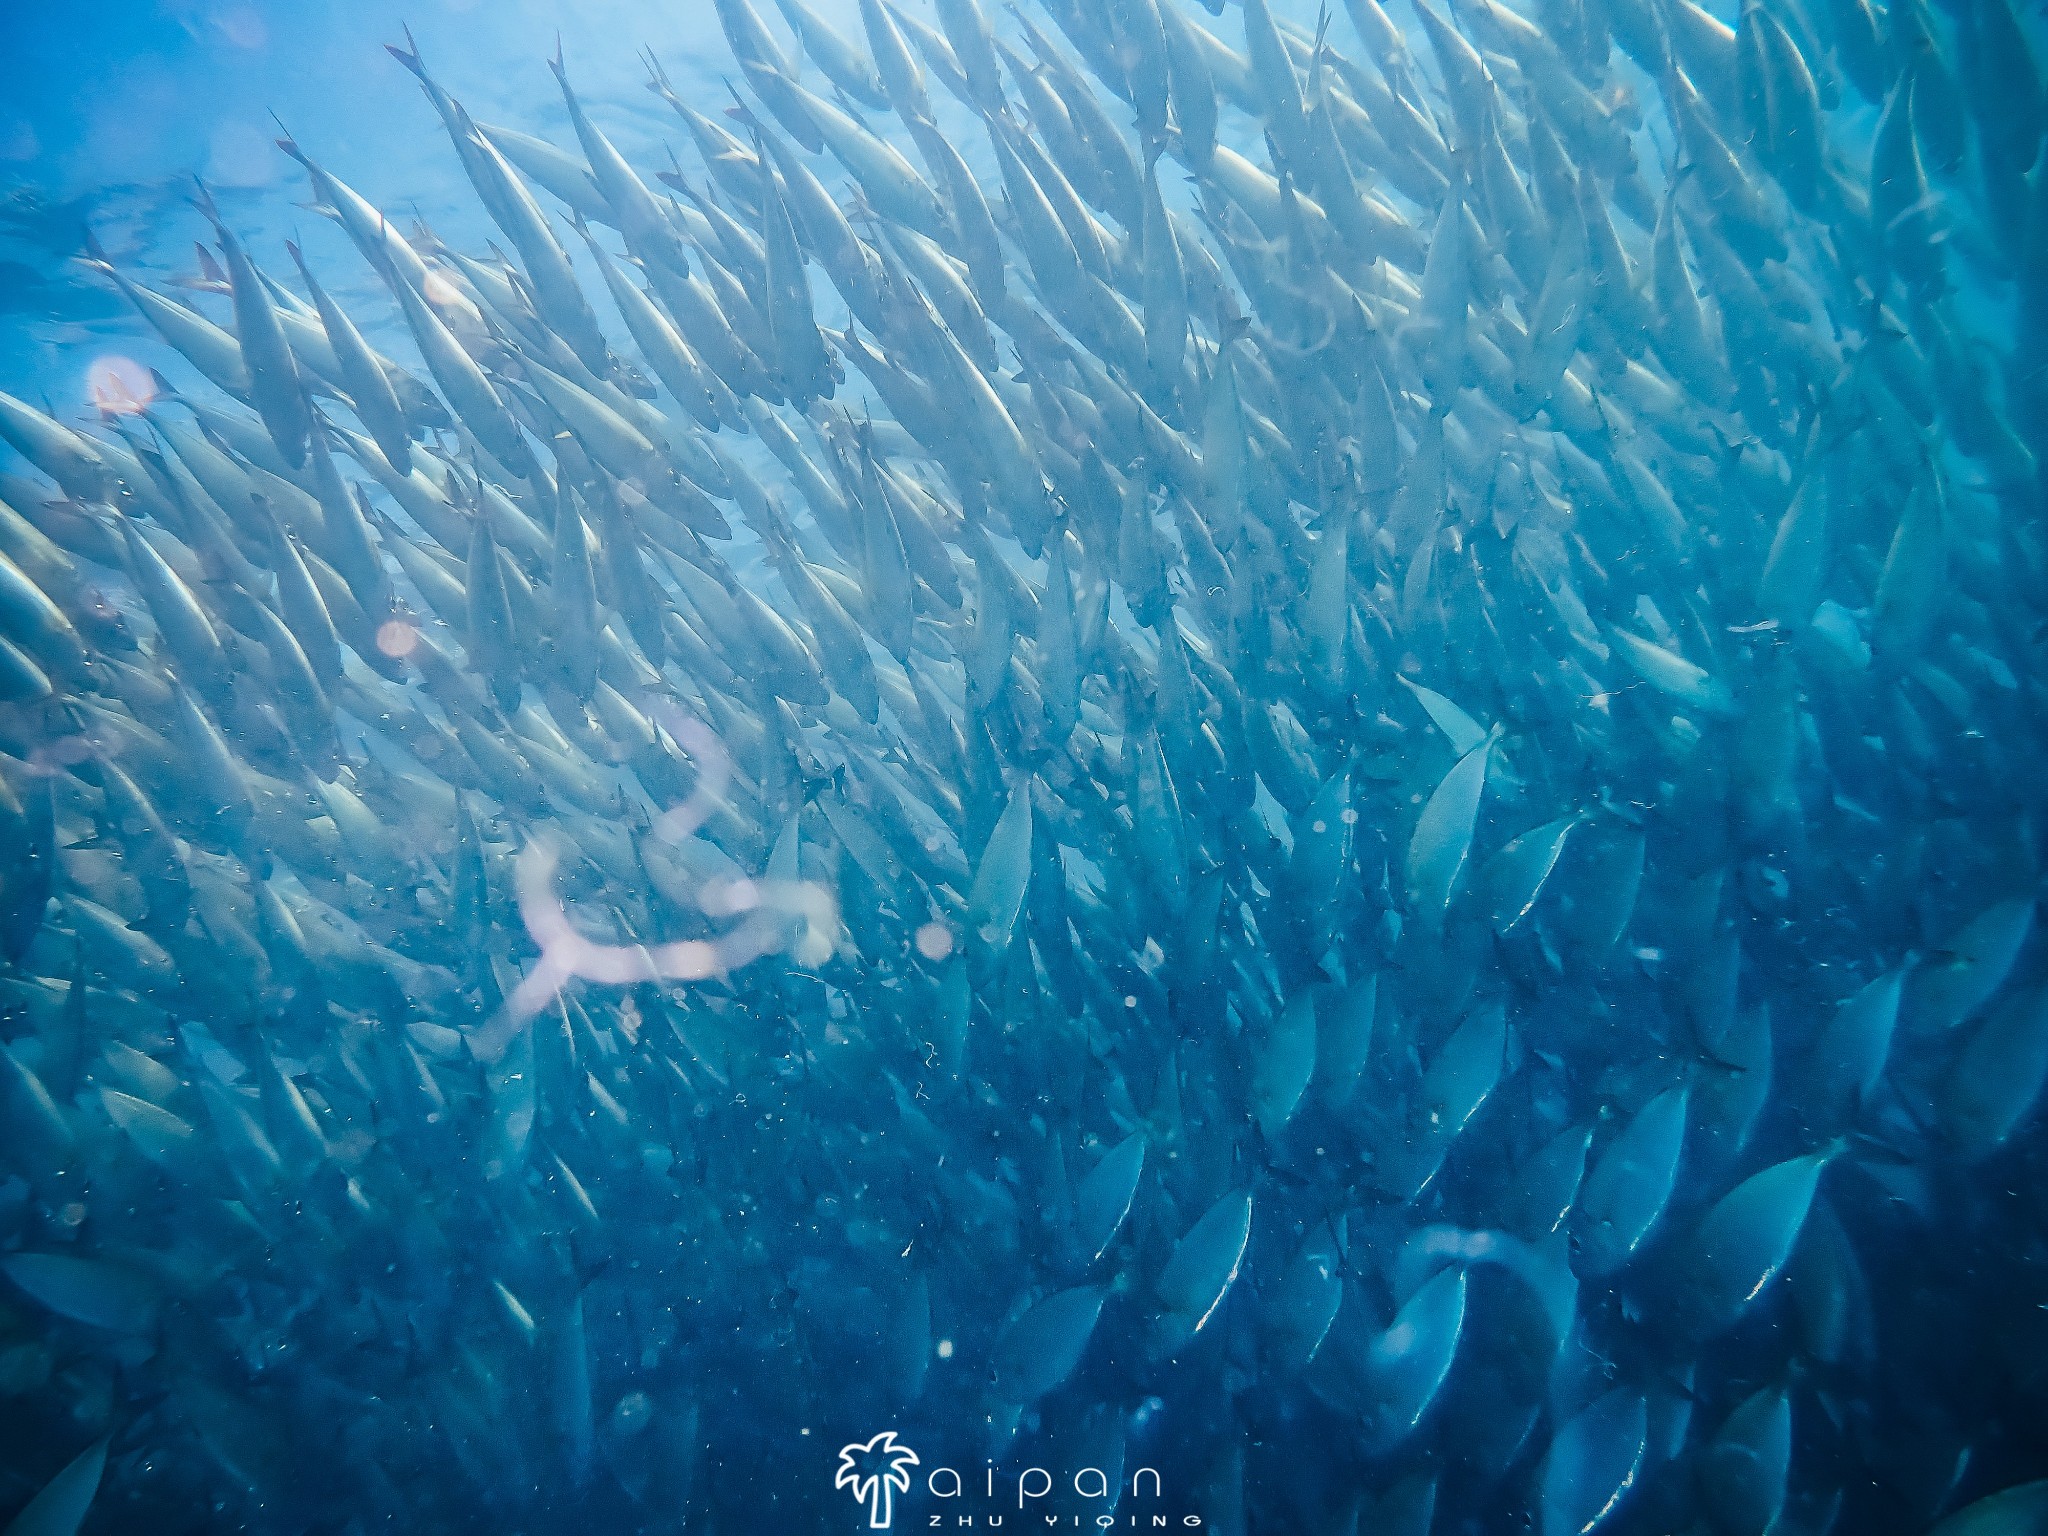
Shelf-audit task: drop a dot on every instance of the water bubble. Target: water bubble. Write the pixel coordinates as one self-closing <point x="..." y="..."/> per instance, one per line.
<point x="935" y="941"/>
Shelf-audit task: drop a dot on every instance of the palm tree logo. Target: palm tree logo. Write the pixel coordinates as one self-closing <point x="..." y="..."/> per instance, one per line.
<point x="876" y="1471"/>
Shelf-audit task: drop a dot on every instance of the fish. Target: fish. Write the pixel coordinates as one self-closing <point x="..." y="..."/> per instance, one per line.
<point x="1269" y="775"/>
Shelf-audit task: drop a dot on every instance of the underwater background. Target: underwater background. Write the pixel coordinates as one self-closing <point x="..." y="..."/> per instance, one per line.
<point x="110" y="114"/>
<point x="913" y="764"/>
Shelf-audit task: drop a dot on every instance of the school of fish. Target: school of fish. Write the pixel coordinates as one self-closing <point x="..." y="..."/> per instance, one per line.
<point x="1130" y="737"/>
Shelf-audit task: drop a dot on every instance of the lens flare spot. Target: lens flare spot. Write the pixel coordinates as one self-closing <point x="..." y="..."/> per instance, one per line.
<point x="935" y="941"/>
<point x="396" y="638"/>
<point x="119" y="385"/>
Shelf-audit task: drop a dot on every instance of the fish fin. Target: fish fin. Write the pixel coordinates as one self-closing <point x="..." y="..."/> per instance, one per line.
<point x="202" y="199"/>
<point x="95" y="254"/>
<point x="409" y="55"/>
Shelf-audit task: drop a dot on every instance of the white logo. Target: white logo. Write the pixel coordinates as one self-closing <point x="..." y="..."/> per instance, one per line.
<point x="876" y="1470"/>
